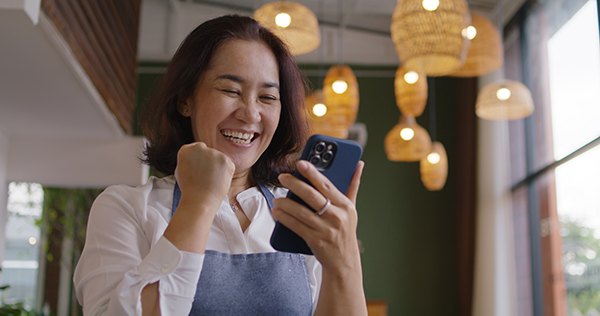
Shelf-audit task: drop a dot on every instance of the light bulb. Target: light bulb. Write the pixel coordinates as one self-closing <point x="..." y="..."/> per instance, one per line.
<point x="411" y="77"/>
<point x="469" y="32"/>
<point x="503" y="94"/>
<point x="339" y="86"/>
<point x="431" y="5"/>
<point x="433" y="158"/>
<point x="32" y="241"/>
<point x="283" y="20"/>
<point x="319" y="109"/>
<point x="407" y="133"/>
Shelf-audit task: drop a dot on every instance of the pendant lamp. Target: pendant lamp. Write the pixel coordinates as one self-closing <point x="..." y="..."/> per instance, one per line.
<point x="407" y="141"/>
<point x="428" y="35"/>
<point x="323" y="119"/>
<point x="504" y="100"/>
<point x="294" y="23"/>
<point x="340" y="94"/>
<point x="411" y="91"/>
<point x="485" y="54"/>
<point x="434" y="168"/>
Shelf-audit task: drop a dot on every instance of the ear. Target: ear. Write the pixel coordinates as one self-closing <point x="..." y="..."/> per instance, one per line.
<point x="183" y="106"/>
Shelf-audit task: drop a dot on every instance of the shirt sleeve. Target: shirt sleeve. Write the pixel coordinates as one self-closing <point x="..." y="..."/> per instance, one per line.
<point x="118" y="261"/>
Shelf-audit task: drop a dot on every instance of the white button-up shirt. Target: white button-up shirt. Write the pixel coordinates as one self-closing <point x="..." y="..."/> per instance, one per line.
<point x="125" y="249"/>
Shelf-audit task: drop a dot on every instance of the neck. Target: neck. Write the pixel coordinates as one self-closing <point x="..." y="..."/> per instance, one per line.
<point x="240" y="182"/>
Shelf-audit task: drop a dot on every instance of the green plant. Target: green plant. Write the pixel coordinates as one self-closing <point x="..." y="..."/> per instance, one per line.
<point x="16" y="309"/>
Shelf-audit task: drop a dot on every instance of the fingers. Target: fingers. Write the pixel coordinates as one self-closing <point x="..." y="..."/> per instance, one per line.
<point x="303" y="222"/>
<point x="321" y="183"/>
<point x="355" y="184"/>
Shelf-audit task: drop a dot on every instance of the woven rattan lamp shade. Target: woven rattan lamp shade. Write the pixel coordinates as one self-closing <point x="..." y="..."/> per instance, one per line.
<point x="302" y="35"/>
<point x="411" y="96"/>
<point x="434" y="168"/>
<point x="343" y="106"/>
<point x="504" y="100"/>
<point x="485" y="54"/>
<point x="332" y="123"/>
<point x="431" y="41"/>
<point x="399" y="149"/>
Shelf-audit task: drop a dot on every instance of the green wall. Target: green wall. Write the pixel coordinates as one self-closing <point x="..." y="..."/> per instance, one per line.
<point x="408" y="233"/>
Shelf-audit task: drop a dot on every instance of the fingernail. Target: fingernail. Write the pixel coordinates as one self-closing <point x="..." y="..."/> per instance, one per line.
<point x="303" y="165"/>
<point x="282" y="177"/>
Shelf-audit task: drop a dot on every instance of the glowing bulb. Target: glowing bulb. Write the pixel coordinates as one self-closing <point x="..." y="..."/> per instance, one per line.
<point x="431" y="5"/>
<point x="469" y="32"/>
<point x="339" y="86"/>
<point x="319" y="109"/>
<point x="503" y="94"/>
<point x="32" y="241"/>
<point x="411" y="77"/>
<point x="407" y="133"/>
<point x="433" y="158"/>
<point x="283" y="20"/>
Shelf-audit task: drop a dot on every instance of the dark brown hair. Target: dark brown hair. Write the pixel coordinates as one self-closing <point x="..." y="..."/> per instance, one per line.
<point x="167" y="130"/>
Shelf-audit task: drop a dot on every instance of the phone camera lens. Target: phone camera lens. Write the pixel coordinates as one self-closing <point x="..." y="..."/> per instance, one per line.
<point x="315" y="159"/>
<point x="320" y="148"/>
<point x="327" y="156"/>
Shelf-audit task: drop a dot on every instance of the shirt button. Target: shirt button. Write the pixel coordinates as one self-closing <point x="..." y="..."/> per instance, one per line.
<point x="165" y="268"/>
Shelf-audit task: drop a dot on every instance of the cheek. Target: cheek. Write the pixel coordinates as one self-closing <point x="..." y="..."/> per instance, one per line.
<point x="274" y="119"/>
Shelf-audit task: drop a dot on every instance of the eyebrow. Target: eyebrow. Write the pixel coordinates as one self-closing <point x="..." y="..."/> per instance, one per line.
<point x="241" y="80"/>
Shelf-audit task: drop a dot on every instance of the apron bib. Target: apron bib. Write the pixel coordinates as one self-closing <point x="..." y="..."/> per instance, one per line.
<point x="273" y="283"/>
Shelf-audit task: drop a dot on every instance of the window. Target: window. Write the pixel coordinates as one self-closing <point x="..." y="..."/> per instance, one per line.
<point x="553" y="47"/>
<point x="20" y="265"/>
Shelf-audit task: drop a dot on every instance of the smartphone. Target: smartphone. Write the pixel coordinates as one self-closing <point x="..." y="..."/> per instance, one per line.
<point x="335" y="158"/>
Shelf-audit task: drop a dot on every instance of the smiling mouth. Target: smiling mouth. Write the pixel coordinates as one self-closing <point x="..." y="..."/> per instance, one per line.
<point x="238" y="137"/>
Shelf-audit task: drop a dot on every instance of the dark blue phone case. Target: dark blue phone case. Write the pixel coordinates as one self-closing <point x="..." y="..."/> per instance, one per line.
<point x="340" y="173"/>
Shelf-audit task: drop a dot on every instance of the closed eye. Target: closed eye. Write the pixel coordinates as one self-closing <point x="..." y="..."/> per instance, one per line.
<point x="232" y="92"/>
<point x="269" y="98"/>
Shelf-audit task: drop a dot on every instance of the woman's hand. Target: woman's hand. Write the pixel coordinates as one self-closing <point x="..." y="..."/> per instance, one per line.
<point x="203" y="174"/>
<point x="332" y="235"/>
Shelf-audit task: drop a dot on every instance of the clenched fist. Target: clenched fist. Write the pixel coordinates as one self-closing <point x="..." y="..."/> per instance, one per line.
<point x="203" y="174"/>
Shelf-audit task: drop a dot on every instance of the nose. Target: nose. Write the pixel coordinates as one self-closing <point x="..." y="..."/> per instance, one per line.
<point x="248" y="111"/>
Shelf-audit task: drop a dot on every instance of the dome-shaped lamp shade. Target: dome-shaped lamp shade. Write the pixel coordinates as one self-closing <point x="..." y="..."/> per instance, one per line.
<point x="485" y="54"/>
<point x="407" y="141"/>
<point x="434" y="168"/>
<point x="411" y="91"/>
<point x="428" y="35"/>
<point x="504" y="100"/>
<point x="323" y="119"/>
<point x="294" y="23"/>
<point x="340" y="93"/>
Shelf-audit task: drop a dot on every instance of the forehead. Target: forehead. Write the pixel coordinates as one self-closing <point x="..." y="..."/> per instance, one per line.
<point x="239" y="54"/>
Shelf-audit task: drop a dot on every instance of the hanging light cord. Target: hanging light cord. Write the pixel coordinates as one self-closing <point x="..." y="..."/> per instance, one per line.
<point x="341" y="32"/>
<point x="320" y="69"/>
<point x="432" y="108"/>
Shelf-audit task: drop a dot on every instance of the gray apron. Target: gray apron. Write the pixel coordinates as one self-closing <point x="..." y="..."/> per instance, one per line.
<point x="274" y="283"/>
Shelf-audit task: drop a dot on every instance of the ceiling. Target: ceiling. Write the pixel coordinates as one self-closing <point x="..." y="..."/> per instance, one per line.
<point x="369" y="15"/>
<point x="352" y="31"/>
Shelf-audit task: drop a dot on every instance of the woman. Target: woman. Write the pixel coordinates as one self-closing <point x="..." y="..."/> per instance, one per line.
<point x="225" y="124"/>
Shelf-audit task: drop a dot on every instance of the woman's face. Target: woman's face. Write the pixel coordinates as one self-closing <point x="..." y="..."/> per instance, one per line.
<point x="236" y="105"/>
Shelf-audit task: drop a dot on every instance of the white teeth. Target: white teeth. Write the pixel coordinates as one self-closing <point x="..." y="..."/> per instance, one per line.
<point x="238" y="137"/>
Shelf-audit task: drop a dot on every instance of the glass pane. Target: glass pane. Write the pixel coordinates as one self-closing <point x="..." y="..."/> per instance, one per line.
<point x="578" y="204"/>
<point x="574" y="67"/>
<point x="19" y="268"/>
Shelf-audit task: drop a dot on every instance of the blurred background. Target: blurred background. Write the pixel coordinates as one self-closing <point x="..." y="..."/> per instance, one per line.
<point x="505" y="220"/>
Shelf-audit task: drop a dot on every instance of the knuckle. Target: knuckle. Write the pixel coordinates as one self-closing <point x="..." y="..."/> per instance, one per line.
<point x="337" y="221"/>
<point x="329" y="234"/>
<point x="313" y="197"/>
